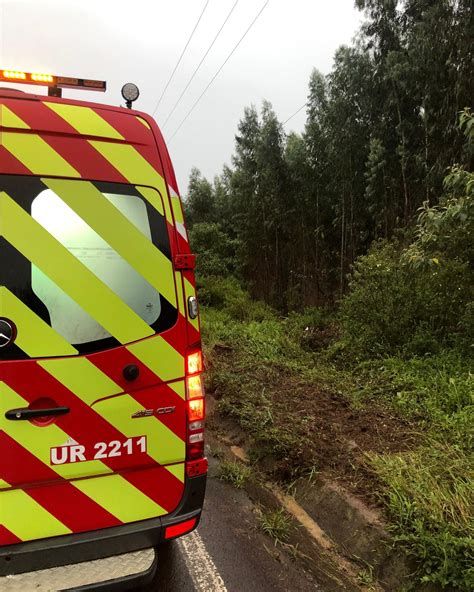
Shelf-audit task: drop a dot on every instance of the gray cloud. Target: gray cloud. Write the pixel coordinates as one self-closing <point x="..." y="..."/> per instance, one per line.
<point x="122" y="41"/>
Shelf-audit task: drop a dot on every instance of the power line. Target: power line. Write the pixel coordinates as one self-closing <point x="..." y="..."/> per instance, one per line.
<point x="200" y="63"/>
<point x="2" y="28"/>
<point x="218" y="71"/>
<point x="181" y="57"/>
<point x="295" y="113"/>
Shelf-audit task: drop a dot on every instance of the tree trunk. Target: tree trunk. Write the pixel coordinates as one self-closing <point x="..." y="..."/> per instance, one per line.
<point x="403" y="158"/>
<point x="351" y="214"/>
<point x="343" y="230"/>
<point x="427" y="185"/>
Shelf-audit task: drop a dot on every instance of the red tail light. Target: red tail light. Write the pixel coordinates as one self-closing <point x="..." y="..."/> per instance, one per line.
<point x="196" y="467"/>
<point x="196" y="412"/>
<point x="176" y="530"/>
<point x="196" y="407"/>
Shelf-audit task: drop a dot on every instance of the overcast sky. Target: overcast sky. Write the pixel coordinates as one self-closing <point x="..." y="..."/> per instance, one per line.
<point x="141" y="40"/>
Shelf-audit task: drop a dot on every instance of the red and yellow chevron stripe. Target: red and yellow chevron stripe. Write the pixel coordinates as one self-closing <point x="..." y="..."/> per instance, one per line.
<point x="71" y="147"/>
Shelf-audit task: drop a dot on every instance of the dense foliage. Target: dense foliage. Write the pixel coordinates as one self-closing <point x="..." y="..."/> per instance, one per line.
<point x="371" y="208"/>
<point x="419" y="298"/>
<point x="294" y="211"/>
<point x="257" y="361"/>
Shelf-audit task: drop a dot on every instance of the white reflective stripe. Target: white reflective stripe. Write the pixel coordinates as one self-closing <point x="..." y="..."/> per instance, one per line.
<point x="80" y="574"/>
<point x="201" y="567"/>
<point x="179" y="226"/>
<point x="172" y="192"/>
<point x="182" y="230"/>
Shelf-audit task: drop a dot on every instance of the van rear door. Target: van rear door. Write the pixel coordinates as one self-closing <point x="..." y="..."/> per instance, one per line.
<point x="92" y="401"/>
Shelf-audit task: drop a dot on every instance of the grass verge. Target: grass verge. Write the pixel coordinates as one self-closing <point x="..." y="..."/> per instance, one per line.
<point x="277" y="524"/>
<point x="233" y="472"/>
<point x="430" y="498"/>
<point x="307" y="402"/>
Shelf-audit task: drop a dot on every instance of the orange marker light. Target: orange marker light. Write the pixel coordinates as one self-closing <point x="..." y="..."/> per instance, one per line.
<point x="196" y="405"/>
<point x="14" y="75"/>
<point x="42" y="77"/>
<point x="195" y="389"/>
<point x="52" y="81"/>
<point x="195" y="362"/>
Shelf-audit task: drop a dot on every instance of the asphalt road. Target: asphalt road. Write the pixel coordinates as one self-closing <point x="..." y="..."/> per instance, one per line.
<point x="228" y="552"/>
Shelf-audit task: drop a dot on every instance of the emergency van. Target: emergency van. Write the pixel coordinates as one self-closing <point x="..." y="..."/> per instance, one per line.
<point x="101" y="395"/>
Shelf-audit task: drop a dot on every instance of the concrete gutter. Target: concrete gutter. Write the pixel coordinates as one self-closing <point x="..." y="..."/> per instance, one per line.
<point x="340" y="540"/>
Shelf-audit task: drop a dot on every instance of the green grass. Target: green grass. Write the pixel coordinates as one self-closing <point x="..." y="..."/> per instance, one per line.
<point x="277" y="524"/>
<point x="430" y="498"/>
<point x="431" y="387"/>
<point x="366" y="576"/>
<point x="428" y="491"/>
<point x="233" y="472"/>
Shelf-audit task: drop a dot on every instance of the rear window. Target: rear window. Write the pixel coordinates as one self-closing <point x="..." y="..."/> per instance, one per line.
<point x="61" y="213"/>
<point x="100" y="258"/>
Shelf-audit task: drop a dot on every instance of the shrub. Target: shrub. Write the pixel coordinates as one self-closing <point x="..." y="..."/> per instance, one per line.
<point x="377" y="314"/>
<point x="216" y="251"/>
<point x="227" y="294"/>
<point x="216" y="291"/>
<point x="415" y="298"/>
<point x="396" y="307"/>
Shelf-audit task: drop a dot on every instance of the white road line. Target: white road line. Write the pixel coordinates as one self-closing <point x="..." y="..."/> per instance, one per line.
<point x="202" y="569"/>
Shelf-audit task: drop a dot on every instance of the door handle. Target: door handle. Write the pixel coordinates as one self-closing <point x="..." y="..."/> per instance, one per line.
<point x="26" y="413"/>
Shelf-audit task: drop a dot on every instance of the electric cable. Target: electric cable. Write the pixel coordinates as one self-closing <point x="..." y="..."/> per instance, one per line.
<point x="2" y="16"/>
<point x="200" y="64"/>
<point x="218" y="71"/>
<point x="295" y="113"/>
<point x="180" y="57"/>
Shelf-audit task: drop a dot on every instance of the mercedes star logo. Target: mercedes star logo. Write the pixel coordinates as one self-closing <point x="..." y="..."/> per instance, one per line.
<point x="7" y="332"/>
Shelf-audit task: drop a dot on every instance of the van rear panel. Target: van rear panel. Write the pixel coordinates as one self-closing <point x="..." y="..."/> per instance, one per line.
<point x="93" y="322"/>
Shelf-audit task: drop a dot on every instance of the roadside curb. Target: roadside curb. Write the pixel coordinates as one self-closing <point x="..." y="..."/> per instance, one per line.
<point x="339" y="539"/>
<point x="358" y="531"/>
<point x="317" y="553"/>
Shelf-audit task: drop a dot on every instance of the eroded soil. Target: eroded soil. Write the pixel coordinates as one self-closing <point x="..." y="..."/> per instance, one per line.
<point x="297" y="428"/>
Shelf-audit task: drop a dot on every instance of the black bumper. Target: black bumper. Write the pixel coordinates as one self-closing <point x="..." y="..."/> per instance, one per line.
<point x="86" y="546"/>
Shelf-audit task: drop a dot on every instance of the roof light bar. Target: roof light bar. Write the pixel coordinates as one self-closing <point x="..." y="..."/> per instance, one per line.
<point x="52" y="81"/>
<point x="42" y="77"/>
<point x="12" y="74"/>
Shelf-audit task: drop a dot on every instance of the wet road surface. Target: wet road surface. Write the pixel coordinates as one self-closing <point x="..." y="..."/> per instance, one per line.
<point x="228" y="552"/>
